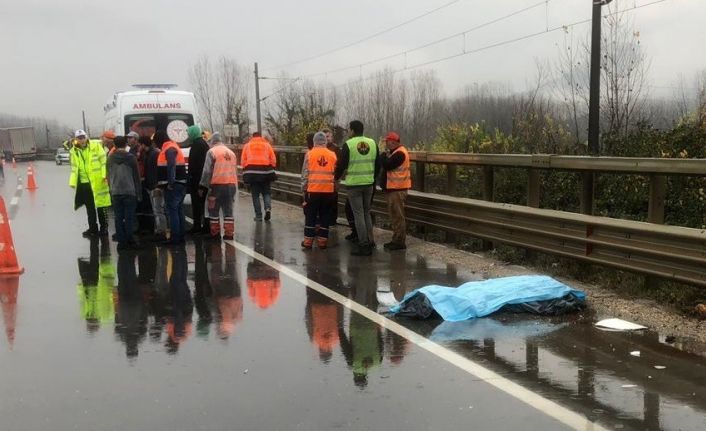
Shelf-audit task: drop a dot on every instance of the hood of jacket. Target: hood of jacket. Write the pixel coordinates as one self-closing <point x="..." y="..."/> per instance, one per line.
<point x="193" y="132"/>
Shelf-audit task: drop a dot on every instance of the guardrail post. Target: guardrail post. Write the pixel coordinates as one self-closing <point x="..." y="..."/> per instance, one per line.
<point x="419" y="176"/>
<point x="655" y="214"/>
<point x="587" y="192"/>
<point x="488" y="183"/>
<point x="533" y="187"/>
<point x="451" y="179"/>
<point x="488" y="195"/>
<point x="658" y="193"/>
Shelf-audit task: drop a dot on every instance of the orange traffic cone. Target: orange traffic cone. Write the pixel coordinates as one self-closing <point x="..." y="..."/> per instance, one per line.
<point x="8" y="303"/>
<point x="8" y="258"/>
<point x="31" y="184"/>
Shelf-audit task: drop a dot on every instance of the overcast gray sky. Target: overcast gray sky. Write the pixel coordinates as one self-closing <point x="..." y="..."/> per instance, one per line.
<point x="59" y="57"/>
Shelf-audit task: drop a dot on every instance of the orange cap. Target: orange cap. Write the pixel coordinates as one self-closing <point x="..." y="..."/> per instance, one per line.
<point x="109" y="134"/>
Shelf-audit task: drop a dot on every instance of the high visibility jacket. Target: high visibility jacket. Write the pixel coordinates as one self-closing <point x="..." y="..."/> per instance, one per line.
<point x="97" y="302"/>
<point x="88" y="165"/>
<point x="324" y="322"/>
<point x="225" y="165"/>
<point x="162" y="169"/>
<point x="263" y="292"/>
<point x="400" y="178"/>
<point x="361" y="163"/>
<point x="321" y="167"/>
<point x="258" y="160"/>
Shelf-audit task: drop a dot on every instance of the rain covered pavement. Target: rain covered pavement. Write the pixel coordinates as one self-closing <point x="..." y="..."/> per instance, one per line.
<point x="258" y="334"/>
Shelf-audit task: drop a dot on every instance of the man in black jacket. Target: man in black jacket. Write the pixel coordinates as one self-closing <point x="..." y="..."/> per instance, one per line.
<point x="197" y="158"/>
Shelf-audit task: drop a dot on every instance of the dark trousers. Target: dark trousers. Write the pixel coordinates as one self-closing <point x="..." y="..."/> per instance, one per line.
<point x="350" y="218"/>
<point x="145" y="217"/>
<point x="124" y="207"/>
<point x="86" y="196"/>
<point x="257" y="189"/>
<point x="174" y="200"/>
<point x="198" y="204"/>
<point x="318" y="210"/>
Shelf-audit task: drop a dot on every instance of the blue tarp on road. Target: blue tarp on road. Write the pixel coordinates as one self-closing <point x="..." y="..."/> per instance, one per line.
<point x="533" y="293"/>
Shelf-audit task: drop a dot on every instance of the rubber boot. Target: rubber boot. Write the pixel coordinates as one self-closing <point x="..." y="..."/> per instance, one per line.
<point x="228" y="228"/>
<point x="215" y="229"/>
<point x="321" y="242"/>
<point x="308" y="242"/>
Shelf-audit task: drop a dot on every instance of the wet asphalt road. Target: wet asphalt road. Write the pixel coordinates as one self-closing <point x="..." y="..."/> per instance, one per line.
<point x="214" y="337"/>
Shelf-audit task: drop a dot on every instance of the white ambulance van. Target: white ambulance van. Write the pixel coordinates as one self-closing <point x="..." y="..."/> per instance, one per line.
<point x="148" y="108"/>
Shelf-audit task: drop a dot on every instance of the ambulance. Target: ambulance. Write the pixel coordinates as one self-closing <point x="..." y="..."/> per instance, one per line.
<point x="150" y="107"/>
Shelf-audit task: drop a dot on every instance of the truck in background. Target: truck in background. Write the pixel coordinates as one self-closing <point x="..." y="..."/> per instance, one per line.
<point x="18" y="142"/>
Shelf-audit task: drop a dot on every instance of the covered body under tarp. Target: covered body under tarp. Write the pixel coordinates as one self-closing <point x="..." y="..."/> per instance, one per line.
<point x="537" y="294"/>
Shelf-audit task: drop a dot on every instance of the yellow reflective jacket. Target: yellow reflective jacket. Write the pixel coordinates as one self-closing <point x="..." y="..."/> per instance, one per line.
<point x="92" y="161"/>
<point x="97" y="301"/>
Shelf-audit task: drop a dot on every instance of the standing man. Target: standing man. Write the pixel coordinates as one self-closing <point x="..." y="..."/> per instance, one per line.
<point x="125" y="191"/>
<point x="395" y="162"/>
<point x="319" y="192"/>
<point x="171" y="176"/>
<point x="197" y="158"/>
<point x="156" y="194"/>
<point x="133" y="146"/>
<point x="220" y="179"/>
<point x="107" y="139"/>
<point x="88" y="177"/>
<point x="358" y="160"/>
<point x="259" y="163"/>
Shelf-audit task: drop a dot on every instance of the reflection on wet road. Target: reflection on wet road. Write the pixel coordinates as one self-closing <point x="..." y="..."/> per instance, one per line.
<point x="208" y="336"/>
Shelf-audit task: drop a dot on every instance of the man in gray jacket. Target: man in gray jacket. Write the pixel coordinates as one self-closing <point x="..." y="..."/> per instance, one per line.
<point x="125" y="191"/>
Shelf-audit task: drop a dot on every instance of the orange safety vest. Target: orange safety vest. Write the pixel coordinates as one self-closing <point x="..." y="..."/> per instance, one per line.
<point x="162" y="174"/>
<point x="225" y="166"/>
<point x="258" y="153"/>
<point x="263" y="292"/>
<point x="400" y="177"/>
<point x="322" y="163"/>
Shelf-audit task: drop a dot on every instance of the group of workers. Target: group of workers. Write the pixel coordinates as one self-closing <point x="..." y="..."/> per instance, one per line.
<point x="145" y="181"/>
<point x="361" y="166"/>
<point x="152" y="175"/>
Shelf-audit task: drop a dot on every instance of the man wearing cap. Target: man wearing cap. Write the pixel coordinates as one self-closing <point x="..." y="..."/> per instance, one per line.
<point x="319" y="190"/>
<point x="107" y="138"/>
<point x="197" y="158"/>
<point x="220" y="179"/>
<point x="398" y="180"/>
<point x="132" y="144"/>
<point x="88" y="177"/>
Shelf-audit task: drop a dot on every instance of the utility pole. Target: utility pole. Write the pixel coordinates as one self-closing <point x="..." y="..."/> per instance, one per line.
<point x="46" y="130"/>
<point x="594" y="105"/>
<point x="257" y="100"/>
<point x="83" y="114"/>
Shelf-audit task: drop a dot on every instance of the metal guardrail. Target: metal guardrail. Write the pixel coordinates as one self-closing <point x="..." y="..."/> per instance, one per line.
<point x="669" y="252"/>
<point x="657" y="171"/>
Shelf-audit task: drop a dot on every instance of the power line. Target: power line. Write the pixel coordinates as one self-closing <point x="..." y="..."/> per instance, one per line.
<point x="388" y="57"/>
<point x="497" y="44"/>
<point x="374" y="35"/>
<point x="435" y="42"/>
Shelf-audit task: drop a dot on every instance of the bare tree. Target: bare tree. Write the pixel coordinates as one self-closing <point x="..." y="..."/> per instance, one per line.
<point x="202" y="81"/>
<point x="232" y="98"/>
<point x="624" y="73"/>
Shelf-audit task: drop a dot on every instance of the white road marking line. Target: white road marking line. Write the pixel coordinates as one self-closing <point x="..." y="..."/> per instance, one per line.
<point x="544" y="405"/>
<point x="14" y="201"/>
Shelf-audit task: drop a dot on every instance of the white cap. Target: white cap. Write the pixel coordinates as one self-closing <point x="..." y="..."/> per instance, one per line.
<point x="133" y="135"/>
<point x="80" y="132"/>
